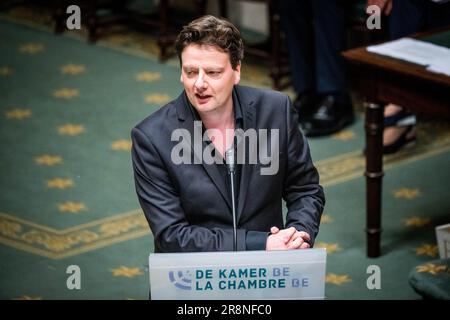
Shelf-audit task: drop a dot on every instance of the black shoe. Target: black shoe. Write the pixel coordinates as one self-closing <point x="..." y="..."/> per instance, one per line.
<point x="332" y="113"/>
<point x="305" y="104"/>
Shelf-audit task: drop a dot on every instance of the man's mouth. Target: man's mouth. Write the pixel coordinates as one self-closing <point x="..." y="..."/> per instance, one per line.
<point x="202" y="98"/>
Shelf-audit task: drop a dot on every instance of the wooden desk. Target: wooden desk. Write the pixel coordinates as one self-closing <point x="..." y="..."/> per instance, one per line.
<point x="383" y="80"/>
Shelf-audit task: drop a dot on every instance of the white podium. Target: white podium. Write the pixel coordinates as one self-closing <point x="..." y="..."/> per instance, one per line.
<point x="243" y="275"/>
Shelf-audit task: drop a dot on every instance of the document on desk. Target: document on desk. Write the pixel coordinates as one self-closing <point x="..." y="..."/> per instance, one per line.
<point x="435" y="58"/>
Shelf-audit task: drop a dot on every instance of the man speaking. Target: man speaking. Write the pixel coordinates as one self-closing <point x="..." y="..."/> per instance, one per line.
<point x="211" y="167"/>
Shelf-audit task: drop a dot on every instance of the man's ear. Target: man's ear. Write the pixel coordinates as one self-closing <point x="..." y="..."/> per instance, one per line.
<point x="181" y="78"/>
<point x="237" y="74"/>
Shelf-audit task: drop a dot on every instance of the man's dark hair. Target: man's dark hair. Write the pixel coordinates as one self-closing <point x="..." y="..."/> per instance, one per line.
<point x="209" y="30"/>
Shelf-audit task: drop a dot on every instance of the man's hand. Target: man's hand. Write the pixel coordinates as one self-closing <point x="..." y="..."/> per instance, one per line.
<point x="384" y="5"/>
<point x="287" y="239"/>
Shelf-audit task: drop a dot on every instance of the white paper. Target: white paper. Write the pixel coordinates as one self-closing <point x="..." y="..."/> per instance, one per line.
<point x="441" y="65"/>
<point x="435" y="58"/>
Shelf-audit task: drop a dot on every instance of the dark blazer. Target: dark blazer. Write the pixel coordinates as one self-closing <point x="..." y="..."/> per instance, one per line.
<point x="187" y="205"/>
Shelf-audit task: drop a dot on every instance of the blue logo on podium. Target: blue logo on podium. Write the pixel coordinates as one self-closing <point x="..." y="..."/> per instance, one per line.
<point x="181" y="280"/>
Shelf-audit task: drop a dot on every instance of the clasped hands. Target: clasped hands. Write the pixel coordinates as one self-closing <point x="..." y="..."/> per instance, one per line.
<point x="287" y="239"/>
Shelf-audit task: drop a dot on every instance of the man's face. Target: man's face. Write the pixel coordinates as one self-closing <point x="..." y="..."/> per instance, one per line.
<point x="208" y="77"/>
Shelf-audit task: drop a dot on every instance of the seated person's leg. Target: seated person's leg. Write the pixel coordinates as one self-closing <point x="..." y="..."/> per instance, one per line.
<point x="399" y="128"/>
<point x="407" y="17"/>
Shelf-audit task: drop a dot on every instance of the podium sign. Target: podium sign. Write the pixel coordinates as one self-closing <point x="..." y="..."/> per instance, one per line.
<point x="242" y="275"/>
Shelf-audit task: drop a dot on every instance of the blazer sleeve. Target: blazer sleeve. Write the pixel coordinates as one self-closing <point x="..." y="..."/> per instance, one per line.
<point x="160" y="201"/>
<point x="304" y="196"/>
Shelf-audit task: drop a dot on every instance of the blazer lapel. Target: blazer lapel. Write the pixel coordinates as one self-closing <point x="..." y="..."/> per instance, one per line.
<point x="187" y="122"/>
<point x="248" y="109"/>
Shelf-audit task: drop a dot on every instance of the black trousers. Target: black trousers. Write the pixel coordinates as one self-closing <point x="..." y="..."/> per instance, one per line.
<point x="315" y="34"/>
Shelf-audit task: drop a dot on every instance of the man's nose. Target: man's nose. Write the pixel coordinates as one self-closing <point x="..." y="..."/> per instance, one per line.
<point x="200" y="82"/>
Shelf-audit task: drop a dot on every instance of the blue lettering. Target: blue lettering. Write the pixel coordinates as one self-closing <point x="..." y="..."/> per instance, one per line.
<point x="207" y="274"/>
<point x="199" y="274"/>
<point x="198" y="287"/>
<point x="305" y="282"/>
<point x="276" y="272"/>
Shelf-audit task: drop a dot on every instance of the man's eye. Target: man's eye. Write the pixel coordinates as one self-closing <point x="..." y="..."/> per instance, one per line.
<point x="213" y="73"/>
